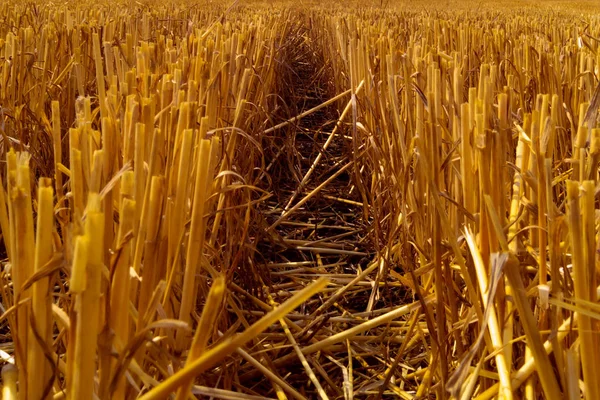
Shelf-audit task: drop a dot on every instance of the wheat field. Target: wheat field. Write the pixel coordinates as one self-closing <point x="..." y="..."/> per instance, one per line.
<point x="300" y="199"/>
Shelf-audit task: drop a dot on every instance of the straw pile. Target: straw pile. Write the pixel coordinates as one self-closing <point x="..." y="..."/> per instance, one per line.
<point x="298" y="202"/>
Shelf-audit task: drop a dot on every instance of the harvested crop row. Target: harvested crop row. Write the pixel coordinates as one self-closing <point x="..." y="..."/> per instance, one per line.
<point x="481" y="166"/>
<point x="140" y="117"/>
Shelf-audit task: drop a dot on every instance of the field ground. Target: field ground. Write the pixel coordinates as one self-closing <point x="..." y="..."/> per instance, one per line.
<point x="300" y="199"/>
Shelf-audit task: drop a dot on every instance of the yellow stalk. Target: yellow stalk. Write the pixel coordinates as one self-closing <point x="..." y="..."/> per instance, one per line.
<point x="466" y="158"/>
<point x="139" y="161"/>
<point x="39" y="369"/>
<point x="197" y="233"/>
<point x="88" y="306"/>
<point x="9" y="382"/>
<point x="580" y="225"/>
<point x="176" y="224"/>
<point x="517" y="192"/>
<point x="78" y="281"/>
<point x="119" y="316"/>
<point x="77" y="190"/>
<point x="24" y="250"/>
<point x="99" y="75"/>
<point x="151" y="225"/>
<point x="57" y="149"/>
<point x="205" y="328"/>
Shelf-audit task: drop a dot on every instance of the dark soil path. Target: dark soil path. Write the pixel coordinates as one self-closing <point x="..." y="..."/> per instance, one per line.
<point x="325" y="236"/>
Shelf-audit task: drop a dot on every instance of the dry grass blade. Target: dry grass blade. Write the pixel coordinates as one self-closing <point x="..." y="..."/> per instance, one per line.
<point x="307" y="112"/>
